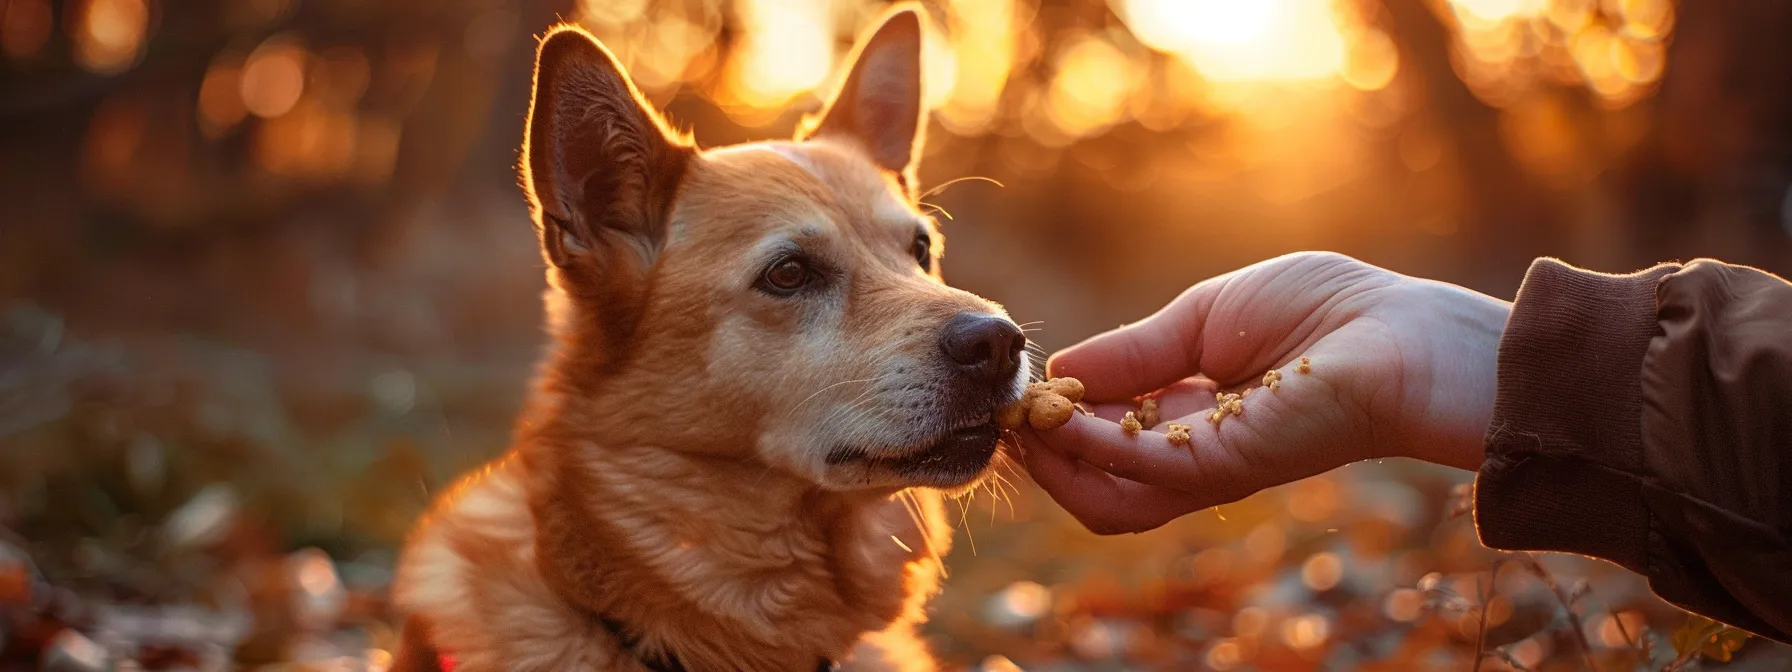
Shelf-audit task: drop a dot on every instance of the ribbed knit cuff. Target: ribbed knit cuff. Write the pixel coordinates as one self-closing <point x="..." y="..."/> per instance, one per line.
<point x="1565" y="447"/>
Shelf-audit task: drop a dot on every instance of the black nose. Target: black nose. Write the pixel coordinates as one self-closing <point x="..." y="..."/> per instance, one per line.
<point x="983" y="346"/>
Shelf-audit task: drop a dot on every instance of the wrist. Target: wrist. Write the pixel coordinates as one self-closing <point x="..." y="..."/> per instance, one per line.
<point x="1461" y="332"/>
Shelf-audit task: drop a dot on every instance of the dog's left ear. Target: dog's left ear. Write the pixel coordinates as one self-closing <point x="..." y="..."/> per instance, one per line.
<point x="879" y="104"/>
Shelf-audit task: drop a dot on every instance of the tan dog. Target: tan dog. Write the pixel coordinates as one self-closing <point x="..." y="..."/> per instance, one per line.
<point x="758" y="381"/>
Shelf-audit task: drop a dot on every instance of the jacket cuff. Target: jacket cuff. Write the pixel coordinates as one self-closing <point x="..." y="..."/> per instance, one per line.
<point x="1564" y="451"/>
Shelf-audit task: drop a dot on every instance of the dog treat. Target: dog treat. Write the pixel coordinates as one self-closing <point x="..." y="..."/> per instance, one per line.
<point x="1069" y="388"/>
<point x="1045" y="405"/>
<point x="1306" y="366"/>
<point x="1148" y="412"/>
<point x="1050" y="411"/>
<point x="1178" y="434"/>
<point x="1130" y="424"/>
<point x="1272" y="379"/>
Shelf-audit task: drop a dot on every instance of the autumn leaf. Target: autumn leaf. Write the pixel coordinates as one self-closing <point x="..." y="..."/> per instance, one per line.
<point x="1709" y="638"/>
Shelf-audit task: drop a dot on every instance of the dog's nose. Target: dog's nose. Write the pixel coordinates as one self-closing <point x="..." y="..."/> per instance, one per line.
<point x="985" y="346"/>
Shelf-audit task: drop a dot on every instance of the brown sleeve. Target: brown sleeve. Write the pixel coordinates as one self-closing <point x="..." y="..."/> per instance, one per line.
<point x="1647" y="419"/>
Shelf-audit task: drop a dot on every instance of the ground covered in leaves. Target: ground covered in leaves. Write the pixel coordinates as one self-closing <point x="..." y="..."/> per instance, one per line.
<point x="176" y="508"/>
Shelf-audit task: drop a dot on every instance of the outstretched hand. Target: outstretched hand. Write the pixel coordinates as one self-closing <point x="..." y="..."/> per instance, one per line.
<point x="1399" y="367"/>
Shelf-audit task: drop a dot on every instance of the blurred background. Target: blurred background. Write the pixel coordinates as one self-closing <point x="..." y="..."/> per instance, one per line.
<point x="267" y="281"/>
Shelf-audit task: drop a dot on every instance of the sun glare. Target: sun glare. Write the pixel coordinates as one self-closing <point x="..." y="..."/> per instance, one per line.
<point x="787" y="50"/>
<point x="1242" y="41"/>
<point x="1171" y="25"/>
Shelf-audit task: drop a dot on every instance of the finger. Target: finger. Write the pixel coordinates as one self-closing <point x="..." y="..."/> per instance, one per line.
<point x="1101" y="502"/>
<point x="1140" y="357"/>
<point x="1205" y="467"/>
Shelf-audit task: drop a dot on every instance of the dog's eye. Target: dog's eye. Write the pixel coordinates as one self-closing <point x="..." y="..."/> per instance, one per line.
<point x="785" y="276"/>
<point x="924" y="251"/>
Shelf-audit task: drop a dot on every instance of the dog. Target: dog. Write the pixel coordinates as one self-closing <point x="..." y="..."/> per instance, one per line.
<point x="757" y="392"/>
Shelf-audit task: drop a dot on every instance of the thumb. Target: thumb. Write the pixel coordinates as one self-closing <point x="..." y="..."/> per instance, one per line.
<point x="1144" y="356"/>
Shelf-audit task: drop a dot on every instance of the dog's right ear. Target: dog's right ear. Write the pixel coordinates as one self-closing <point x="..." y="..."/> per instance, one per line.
<point x="600" y="166"/>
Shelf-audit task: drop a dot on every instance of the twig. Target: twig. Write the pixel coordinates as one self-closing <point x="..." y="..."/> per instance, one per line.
<point x="1507" y="656"/>
<point x="1629" y="641"/>
<point x="1575" y="625"/>
<point x="1486" y="596"/>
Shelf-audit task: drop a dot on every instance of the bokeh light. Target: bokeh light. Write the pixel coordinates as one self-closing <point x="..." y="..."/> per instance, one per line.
<point x="273" y="78"/>
<point x="1322" y="572"/>
<point x="1243" y="41"/>
<point x="108" y="35"/>
<point x="1306" y="631"/>
<point x="1090" y="86"/>
<point x="787" y="50"/>
<point x="25" y="26"/>
<point x="982" y="36"/>
<point x="221" y="105"/>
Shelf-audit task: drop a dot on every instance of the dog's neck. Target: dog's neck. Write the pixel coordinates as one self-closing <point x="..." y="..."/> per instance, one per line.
<point x="723" y="563"/>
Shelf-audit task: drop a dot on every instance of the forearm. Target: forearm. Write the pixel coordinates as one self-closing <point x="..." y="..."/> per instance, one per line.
<point x="1644" y="419"/>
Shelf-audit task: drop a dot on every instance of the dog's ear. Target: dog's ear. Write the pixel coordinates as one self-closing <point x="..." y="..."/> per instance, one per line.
<point x="879" y="104"/>
<point x="600" y="166"/>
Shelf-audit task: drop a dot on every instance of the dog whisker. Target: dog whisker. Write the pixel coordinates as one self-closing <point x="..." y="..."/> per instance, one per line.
<point x="942" y="186"/>
<point x="847" y="410"/>
<point x="970" y="536"/>
<point x="806" y="400"/>
<point x="914" y="513"/>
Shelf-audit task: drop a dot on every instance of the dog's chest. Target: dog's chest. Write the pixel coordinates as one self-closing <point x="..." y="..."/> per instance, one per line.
<point x="471" y="568"/>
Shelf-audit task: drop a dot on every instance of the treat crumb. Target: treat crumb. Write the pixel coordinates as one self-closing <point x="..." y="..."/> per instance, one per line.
<point x="1305" y="367"/>
<point x="1178" y="434"/>
<point x="1272" y="379"/>
<point x="1148" y="412"/>
<point x="1227" y="402"/>
<point x="1130" y="424"/>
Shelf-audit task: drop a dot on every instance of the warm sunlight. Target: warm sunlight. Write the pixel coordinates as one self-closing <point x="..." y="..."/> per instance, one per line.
<point x="1173" y="24"/>
<point x="321" y="318"/>
<point x="1242" y="41"/>
<point x="788" y="49"/>
<point x="977" y="67"/>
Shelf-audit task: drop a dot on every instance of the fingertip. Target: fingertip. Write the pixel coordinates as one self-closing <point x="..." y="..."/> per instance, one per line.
<point x="1065" y="363"/>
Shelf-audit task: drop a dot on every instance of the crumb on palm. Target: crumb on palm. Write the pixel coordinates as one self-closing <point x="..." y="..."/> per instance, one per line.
<point x="1130" y="424"/>
<point x="1178" y="434"/>
<point x="1305" y="367"/>
<point x="1225" y="403"/>
<point x="1148" y="412"/>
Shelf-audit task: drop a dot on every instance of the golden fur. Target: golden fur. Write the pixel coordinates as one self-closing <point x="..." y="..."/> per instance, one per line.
<point x="675" y="469"/>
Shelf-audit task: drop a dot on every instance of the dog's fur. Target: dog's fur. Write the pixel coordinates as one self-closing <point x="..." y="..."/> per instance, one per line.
<point x="707" y="471"/>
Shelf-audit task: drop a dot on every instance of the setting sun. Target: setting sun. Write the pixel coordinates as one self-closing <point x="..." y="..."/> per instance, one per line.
<point x="1242" y="41"/>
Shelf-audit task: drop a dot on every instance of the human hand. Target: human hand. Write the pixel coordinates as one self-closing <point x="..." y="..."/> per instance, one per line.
<point x="1401" y="367"/>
